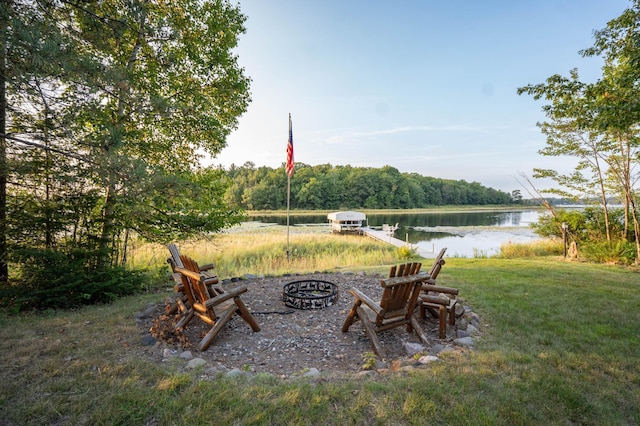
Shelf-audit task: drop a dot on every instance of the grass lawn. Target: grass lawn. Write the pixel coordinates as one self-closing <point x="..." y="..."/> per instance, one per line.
<point x="560" y="344"/>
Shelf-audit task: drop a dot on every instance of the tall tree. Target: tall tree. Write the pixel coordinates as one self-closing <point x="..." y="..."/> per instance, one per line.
<point x="4" y="43"/>
<point x="600" y="122"/>
<point x="136" y="92"/>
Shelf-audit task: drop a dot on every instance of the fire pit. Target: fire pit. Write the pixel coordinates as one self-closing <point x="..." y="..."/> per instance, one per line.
<point x="310" y="294"/>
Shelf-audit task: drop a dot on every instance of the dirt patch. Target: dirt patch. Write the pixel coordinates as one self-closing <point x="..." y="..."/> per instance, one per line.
<point x="292" y="341"/>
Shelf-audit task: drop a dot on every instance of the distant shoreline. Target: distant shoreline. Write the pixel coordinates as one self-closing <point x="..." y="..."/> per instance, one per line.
<point x="435" y="209"/>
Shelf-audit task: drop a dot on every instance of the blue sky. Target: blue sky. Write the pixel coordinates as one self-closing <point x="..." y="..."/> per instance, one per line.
<point x="423" y="86"/>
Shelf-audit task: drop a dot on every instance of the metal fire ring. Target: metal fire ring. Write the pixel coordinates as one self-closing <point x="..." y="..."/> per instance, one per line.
<point x="310" y="294"/>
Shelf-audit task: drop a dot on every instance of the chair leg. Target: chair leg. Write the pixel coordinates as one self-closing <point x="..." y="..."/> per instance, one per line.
<point x="224" y="318"/>
<point x="452" y="314"/>
<point x="371" y="334"/>
<point x="419" y="331"/>
<point x="184" y="320"/>
<point x="442" y="320"/>
<point x="352" y="317"/>
<point x="246" y="315"/>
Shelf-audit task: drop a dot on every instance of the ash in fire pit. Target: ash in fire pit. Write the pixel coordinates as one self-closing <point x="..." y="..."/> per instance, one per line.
<point x="310" y="294"/>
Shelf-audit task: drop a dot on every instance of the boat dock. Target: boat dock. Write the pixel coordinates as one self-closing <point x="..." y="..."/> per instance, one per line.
<point x="389" y="238"/>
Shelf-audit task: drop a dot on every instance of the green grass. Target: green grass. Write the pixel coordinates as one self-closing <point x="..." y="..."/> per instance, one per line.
<point x="559" y="345"/>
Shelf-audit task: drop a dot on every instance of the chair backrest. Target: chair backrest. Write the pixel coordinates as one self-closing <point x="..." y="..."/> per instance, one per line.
<point x="405" y="269"/>
<point x="174" y="260"/>
<point x="400" y="296"/>
<point x="437" y="265"/>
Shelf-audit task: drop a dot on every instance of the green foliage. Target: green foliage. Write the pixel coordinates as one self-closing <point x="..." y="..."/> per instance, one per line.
<point x="598" y="123"/>
<point x="405" y="253"/>
<point x="327" y="187"/>
<point x="619" y="252"/>
<point x="369" y="361"/>
<point x="111" y="106"/>
<point x="51" y="279"/>
<point x="551" y="226"/>
<point x="587" y="228"/>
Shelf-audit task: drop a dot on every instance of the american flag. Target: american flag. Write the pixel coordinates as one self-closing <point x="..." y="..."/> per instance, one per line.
<point x="290" y="165"/>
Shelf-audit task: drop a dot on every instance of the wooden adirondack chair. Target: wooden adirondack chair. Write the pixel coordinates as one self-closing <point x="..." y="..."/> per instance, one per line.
<point x="395" y="309"/>
<point x="176" y="261"/>
<point x="213" y="310"/>
<point x="439" y="300"/>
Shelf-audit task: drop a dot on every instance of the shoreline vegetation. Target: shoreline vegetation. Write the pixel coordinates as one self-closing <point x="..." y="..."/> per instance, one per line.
<point x="434" y="209"/>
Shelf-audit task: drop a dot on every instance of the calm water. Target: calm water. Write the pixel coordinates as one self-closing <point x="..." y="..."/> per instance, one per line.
<point x="464" y="234"/>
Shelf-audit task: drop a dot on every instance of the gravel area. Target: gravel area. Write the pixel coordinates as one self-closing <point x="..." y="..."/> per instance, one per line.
<point x="292" y="341"/>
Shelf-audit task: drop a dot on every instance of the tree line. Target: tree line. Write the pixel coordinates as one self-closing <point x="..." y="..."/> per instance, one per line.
<point x="327" y="187"/>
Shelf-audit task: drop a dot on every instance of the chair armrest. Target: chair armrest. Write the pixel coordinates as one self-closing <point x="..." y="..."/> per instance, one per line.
<point x="206" y="267"/>
<point x="366" y="300"/>
<point x="226" y="296"/>
<point x="210" y="281"/>
<point x="436" y="300"/>
<point x="439" y="289"/>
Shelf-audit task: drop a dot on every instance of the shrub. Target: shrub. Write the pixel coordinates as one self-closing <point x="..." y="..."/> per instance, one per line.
<point x="619" y="252"/>
<point x="61" y="280"/>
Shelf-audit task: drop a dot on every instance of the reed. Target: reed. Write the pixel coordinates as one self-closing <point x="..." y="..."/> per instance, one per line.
<point x="262" y="250"/>
<point x="546" y="247"/>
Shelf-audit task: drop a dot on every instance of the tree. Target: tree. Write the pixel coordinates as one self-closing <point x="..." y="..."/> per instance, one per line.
<point x="599" y="122"/>
<point x="570" y="132"/>
<point x="127" y="96"/>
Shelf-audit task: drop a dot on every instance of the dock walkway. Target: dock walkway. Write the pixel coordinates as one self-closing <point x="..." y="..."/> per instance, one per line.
<point x="388" y="238"/>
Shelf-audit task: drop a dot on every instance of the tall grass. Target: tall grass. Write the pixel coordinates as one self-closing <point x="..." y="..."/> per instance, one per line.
<point x="263" y="250"/>
<point x="546" y="247"/>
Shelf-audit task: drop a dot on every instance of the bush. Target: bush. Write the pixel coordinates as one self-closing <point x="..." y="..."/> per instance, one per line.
<point x="49" y="279"/>
<point x="618" y="252"/>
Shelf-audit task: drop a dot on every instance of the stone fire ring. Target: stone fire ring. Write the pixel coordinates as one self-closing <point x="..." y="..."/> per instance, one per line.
<point x="310" y="294"/>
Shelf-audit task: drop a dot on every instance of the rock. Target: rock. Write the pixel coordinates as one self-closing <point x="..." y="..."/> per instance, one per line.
<point x="196" y="362"/>
<point x="462" y="324"/>
<point x="436" y="349"/>
<point x="471" y="329"/>
<point x="186" y="355"/>
<point x="464" y="341"/>
<point x="236" y="372"/>
<point x="150" y="311"/>
<point x="313" y="372"/>
<point x="475" y="319"/>
<point x="166" y="353"/>
<point x="413" y="348"/>
<point x="427" y="359"/>
<point x="366" y="373"/>
<point x="212" y="371"/>
<point x="462" y="333"/>
<point x="407" y="368"/>
<point x="148" y="340"/>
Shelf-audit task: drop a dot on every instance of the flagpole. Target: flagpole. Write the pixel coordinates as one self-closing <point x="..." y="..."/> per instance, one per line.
<point x="289" y="169"/>
<point x="288" y="199"/>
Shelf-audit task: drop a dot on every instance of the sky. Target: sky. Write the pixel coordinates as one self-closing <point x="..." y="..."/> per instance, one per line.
<point x="420" y="85"/>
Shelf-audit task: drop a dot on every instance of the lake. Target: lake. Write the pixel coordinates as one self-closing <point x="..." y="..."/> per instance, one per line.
<point x="465" y="234"/>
